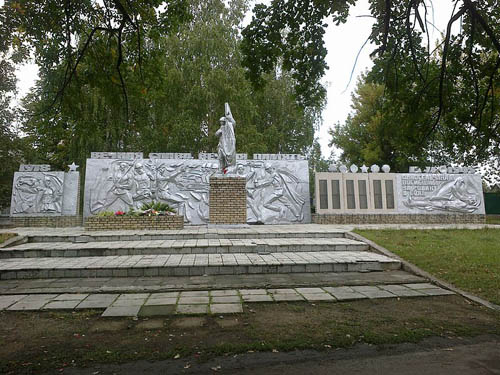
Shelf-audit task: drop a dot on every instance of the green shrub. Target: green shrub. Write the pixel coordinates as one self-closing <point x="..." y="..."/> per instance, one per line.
<point x="105" y="213"/>
<point x="157" y="206"/>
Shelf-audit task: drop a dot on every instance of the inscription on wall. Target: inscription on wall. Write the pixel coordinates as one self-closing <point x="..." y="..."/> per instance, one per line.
<point x="420" y="184"/>
<point x="34" y="168"/>
<point x="431" y="193"/>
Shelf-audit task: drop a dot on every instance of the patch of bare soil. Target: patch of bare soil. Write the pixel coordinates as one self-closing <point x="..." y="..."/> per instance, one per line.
<point x="40" y="342"/>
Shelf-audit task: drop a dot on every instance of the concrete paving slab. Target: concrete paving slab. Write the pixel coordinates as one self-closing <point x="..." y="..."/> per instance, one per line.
<point x="287" y="297"/>
<point x="129" y="302"/>
<point x="346" y="296"/>
<point x="157" y="310"/>
<point x="6" y="301"/>
<point x="309" y="290"/>
<point x="246" y="292"/>
<point x="375" y="294"/>
<point x="226" y="299"/>
<point x="257" y="298"/>
<point x="164" y="295"/>
<point x="71" y="297"/>
<point x="436" y="292"/>
<point x="226" y="308"/>
<point x="160" y="301"/>
<point x="227" y="292"/>
<point x="134" y="296"/>
<point x="27" y="304"/>
<point x="282" y="291"/>
<point x="402" y="291"/>
<point x="421" y="286"/>
<point x="61" y="305"/>
<point x="193" y="300"/>
<point x="195" y="293"/>
<point x="192" y="309"/>
<point x="113" y="311"/>
<point x="318" y="297"/>
<point x="365" y="288"/>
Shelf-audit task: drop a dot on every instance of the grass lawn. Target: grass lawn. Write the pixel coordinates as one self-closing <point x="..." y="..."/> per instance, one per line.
<point x="468" y="259"/>
<point x="5" y="236"/>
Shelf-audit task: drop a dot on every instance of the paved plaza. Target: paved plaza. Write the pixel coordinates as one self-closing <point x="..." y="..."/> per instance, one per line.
<point x="226" y="301"/>
<point x="197" y="270"/>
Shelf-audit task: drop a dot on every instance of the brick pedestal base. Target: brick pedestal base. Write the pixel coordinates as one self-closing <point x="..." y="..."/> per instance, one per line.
<point x="228" y="200"/>
<point x="46" y="221"/>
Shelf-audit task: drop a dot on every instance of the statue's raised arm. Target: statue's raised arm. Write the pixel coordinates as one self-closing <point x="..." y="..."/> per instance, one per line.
<point x="226" y="150"/>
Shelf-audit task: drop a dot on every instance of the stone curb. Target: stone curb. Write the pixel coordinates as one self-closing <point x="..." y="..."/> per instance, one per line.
<point x="409" y="267"/>
<point x="17" y="240"/>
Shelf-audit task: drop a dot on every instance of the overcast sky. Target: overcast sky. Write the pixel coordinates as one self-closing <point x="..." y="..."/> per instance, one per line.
<point x="343" y="43"/>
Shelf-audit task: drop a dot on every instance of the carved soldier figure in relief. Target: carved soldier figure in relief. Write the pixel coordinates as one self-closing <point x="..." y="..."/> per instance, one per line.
<point x="142" y="180"/>
<point x="51" y="194"/>
<point x="25" y="194"/>
<point x="165" y="183"/>
<point x="226" y="150"/>
<point x="122" y="186"/>
<point x="283" y="197"/>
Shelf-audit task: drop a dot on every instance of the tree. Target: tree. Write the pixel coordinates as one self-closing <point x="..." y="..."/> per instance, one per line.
<point x="450" y="96"/>
<point x="59" y="35"/>
<point x="373" y="133"/>
<point x="175" y="97"/>
<point x="11" y="147"/>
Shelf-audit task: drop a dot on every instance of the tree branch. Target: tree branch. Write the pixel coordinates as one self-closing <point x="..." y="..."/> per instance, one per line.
<point x="442" y="74"/>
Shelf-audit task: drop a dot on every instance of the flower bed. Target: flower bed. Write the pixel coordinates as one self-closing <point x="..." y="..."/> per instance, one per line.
<point x="117" y="222"/>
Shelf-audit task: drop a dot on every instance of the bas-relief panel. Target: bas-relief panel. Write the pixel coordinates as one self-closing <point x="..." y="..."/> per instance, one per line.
<point x="440" y="193"/>
<point x="37" y="193"/>
<point x="277" y="191"/>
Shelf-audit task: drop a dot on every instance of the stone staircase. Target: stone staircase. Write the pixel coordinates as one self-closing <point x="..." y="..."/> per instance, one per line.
<point x="190" y="252"/>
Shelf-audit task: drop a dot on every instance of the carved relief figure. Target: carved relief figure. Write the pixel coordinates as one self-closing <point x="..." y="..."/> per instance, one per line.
<point x="274" y="195"/>
<point x="34" y="194"/>
<point x="449" y="196"/>
<point x="226" y="150"/>
<point x="283" y="198"/>
<point x="142" y="180"/>
<point x="166" y="182"/>
<point x="25" y="194"/>
<point x="113" y="192"/>
<point x="250" y="174"/>
<point x="51" y="194"/>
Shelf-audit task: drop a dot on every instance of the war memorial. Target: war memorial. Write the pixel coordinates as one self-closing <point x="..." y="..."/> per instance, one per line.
<point x="241" y="231"/>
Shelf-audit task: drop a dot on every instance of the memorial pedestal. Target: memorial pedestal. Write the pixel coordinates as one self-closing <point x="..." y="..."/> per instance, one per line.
<point x="227" y="200"/>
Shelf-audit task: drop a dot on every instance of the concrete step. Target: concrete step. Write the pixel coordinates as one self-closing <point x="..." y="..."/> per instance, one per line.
<point x="207" y="282"/>
<point x="192" y="246"/>
<point x="268" y="231"/>
<point x="195" y="264"/>
<point x="227" y="301"/>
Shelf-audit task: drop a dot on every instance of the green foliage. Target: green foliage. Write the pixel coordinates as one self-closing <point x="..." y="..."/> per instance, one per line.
<point x="175" y="96"/>
<point x="11" y="147"/>
<point x="105" y="214"/>
<point x="292" y="32"/>
<point x="438" y="105"/>
<point x="374" y="134"/>
<point x="157" y="206"/>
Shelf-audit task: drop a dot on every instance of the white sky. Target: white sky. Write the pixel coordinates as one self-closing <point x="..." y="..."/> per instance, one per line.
<point x="343" y="43"/>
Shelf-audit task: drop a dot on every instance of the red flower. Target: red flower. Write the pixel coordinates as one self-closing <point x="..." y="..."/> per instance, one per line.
<point x="119" y="213"/>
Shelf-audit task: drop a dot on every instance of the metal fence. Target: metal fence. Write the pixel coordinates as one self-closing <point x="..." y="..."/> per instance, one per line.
<point x="492" y="203"/>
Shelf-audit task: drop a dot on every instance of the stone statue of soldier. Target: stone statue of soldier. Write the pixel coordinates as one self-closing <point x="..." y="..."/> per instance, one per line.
<point x="226" y="150"/>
